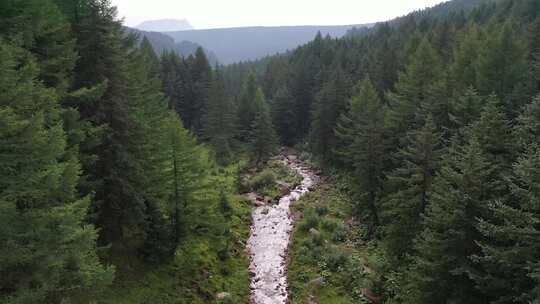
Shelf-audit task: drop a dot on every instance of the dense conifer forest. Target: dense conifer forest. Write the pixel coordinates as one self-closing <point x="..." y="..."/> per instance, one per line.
<point x="123" y="171"/>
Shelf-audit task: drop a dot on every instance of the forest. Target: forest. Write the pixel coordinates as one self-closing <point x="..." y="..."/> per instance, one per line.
<point x="126" y="174"/>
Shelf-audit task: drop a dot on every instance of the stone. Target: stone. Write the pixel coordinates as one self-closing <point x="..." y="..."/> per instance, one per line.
<point x="222" y="296"/>
<point x="314" y="232"/>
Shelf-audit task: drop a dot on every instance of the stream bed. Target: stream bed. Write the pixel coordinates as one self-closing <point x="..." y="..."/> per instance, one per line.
<point x="269" y="240"/>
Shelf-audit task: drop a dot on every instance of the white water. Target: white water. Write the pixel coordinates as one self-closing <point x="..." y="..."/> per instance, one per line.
<point x="269" y="240"/>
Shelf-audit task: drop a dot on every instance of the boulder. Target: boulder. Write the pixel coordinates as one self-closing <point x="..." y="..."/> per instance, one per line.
<point x="222" y="296"/>
<point x="314" y="231"/>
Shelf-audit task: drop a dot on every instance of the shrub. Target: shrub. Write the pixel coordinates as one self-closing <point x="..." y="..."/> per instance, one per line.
<point x="330" y="225"/>
<point x="311" y="220"/>
<point x="262" y="180"/>
<point x="340" y="233"/>
<point x="335" y="258"/>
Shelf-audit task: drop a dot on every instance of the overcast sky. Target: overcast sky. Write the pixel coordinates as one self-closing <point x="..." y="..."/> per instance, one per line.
<point x="232" y="13"/>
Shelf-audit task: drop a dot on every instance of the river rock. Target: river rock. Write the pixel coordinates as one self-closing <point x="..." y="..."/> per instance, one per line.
<point x="222" y="296"/>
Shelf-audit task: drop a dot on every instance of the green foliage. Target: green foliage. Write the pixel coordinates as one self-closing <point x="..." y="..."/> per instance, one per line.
<point x="48" y="252"/>
<point x="263" y="138"/>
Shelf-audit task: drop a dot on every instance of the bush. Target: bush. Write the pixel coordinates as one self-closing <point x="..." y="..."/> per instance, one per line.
<point x="330" y="225"/>
<point x="340" y="233"/>
<point x="262" y="180"/>
<point x="335" y="258"/>
<point x="311" y="220"/>
<point x="321" y="210"/>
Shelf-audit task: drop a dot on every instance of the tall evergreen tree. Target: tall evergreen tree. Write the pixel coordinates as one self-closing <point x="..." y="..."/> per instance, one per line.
<point x="201" y="76"/>
<point x="362" y="135"/>
<point x="442" y="262"/>
<point x="330" y="104"/>
<point x="219" y="126"/>
<point x="409" y="188"/>
<point x="283" y="116"/>
<point x="502" y="67"/>
<point x="512" y="236"/>
<point x="263" y="139"/>
<point x="247" y="107"/>
<point x="48" y="253"/>
<point x="419" y="91"/>
<point x="114" y="172"/>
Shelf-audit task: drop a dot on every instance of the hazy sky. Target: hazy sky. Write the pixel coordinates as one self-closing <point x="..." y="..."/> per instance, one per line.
<point x="231" y="13"/>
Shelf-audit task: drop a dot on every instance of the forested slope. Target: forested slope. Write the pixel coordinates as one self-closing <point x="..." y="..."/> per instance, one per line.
<point x="432" y="120"/>
<point x="121" y="170"/>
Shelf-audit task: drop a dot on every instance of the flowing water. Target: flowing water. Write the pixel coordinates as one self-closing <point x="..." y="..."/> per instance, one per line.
<point x="269" y="241"/>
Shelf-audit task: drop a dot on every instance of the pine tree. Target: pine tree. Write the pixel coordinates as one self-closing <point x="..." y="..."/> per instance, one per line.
<point x="201" y="76"/>
<point x="330" y="104"/>
<point x="247" y="107"/>
<point x="263" y="139"/>
<point x="502" y="68"/>
<point x="465" y="109"/>
<point x="283" y="116"/>
<point x="186" y="177"/>
<point x="362" y="135"/>
<point x="409" y="188"/>
<point x="113" y="170"/>
<point x="512" y="236"/>
<point x="463" y="70"/>
<point x="48" y="252"/>
<point x="441" y="265"/>
<point x="219" y="124"/>
<point x="419" y="91"/>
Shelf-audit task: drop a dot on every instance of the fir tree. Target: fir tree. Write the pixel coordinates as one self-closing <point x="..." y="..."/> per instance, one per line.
<point x="219" y="125"/>
<point x="419" y="91"/>
<point x="263" y="139"/>
<point x="409" y="188"/>
<point x="247" y="107"/>
<point x="283" y="115"/>
<point x="502" y="67"/>
<point x="331" y="102"/>
<point x="362" y="135"/>
<point x="48" y="252"/>
<point x="441" y="266"/>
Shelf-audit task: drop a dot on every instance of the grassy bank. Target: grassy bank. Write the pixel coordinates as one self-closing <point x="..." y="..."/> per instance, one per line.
<point x="329" y="262"/>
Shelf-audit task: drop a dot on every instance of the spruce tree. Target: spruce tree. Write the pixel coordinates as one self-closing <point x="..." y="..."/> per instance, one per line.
<point x="283" y="116"/>
<point x="362" y="135"/>
<point x="511" y="231"/>
<point x="330" y="104"/>
<point x="409" y="190"/>
<point x="48" y="252"/>
<point x="201" y="77"/>
<point x="263" y="138"/>
<point x="441" y="262"/>
<point x="419" y="91"/>
<point x="219" y="122"/>
<point x="113" y="169"/>
<point x="502" y="68"/>
<point x="247" y="107"/>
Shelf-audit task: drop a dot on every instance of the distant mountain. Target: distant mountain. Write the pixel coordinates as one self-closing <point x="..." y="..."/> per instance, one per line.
<point x="161" y="42"/>
<point x="250" y="43"/>
<point x="165" y="25"/>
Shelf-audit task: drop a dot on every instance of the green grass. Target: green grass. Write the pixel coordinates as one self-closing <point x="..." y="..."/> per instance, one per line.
<point x="331" y="253"/>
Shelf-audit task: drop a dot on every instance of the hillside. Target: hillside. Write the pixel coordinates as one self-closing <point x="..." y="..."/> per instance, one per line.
<point x="164" y="25"/>
<point x="161" y="42"/>
<point x="249" y="43"/>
